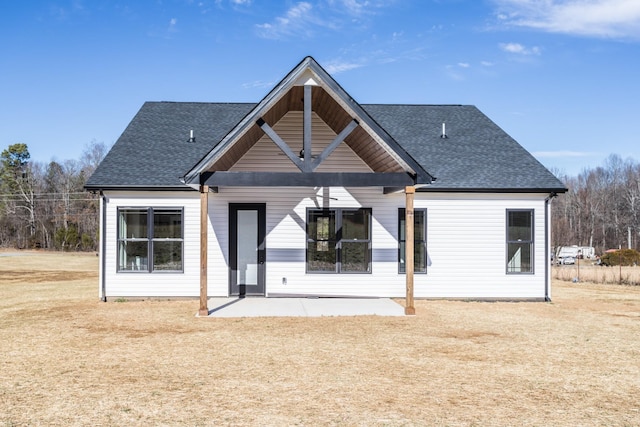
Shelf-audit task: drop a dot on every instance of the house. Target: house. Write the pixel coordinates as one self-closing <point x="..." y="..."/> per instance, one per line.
<point x="309" y="193"/>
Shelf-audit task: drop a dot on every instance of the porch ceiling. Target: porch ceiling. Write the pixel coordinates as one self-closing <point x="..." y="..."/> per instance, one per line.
<point x="334" y="115"/>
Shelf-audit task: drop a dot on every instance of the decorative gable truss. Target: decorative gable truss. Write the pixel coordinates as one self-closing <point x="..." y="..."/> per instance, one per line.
<point x="310" y="90"/>
<point x="305" y="162"/>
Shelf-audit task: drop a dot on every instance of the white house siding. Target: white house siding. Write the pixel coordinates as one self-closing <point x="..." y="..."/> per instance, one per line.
<point x="144" y="284"/>
<point x="466" y="243"/>
<point x="465" y="240"/>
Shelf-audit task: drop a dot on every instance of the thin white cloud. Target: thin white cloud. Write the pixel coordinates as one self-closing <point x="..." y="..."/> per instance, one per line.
<point x="257" y="84"/>
<point x="519" y="49"/>
<point x="454" y="73"/>
<point x="173" y="22"/>
<point x="486" y="63"/>
<point x="397" y="35"/>
<point x="357" y="8"/>
<point x="63" y="13"/>
<point x="78" y="5"/>
<point x="304" y="18"/>
<point x="299" y="20"/>
<point x="463" y="64"/>
<point x="336" y="67"/>
<point x="360" y="55"/>
<point x="595" y="18"/>
<point x="354" y="7"/>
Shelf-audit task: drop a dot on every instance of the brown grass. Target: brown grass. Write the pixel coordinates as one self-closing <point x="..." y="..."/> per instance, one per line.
<point x="68" y="359"/>
<point x="590" y="273"/>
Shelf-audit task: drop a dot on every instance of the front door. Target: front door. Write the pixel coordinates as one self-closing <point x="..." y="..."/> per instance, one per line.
<point x="247" y="251"/>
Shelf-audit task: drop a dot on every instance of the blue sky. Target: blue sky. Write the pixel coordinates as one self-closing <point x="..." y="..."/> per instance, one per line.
<point x="560" y="76"/>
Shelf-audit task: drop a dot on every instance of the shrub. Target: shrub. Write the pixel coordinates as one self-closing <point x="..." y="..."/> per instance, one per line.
<point x="86" y="242"/>
<point x="66" y="238"/>
<point x="621" y="257"/>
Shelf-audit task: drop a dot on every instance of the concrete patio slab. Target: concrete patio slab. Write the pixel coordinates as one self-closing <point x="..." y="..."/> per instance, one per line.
<point x="302" y="307"/>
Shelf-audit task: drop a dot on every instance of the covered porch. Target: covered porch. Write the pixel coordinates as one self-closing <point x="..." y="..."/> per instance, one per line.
<point x="278" y="254"/>
<point x="307" y="132"/>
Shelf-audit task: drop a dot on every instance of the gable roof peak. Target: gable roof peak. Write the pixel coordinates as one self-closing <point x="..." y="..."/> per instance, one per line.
<point x="307" y="78"/>
<point x="309" y="73"/>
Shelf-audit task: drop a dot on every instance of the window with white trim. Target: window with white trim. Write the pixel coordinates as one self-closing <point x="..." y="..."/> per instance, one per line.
<point x="419" y="240"/>
<point x="150" y="239"/>
<point x="520" y="241"/>
<point x="339" y="240"/>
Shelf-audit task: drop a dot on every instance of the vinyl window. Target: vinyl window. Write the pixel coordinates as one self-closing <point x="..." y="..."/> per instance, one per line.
<point x="338" y="241"/>
<point x="150" y="239"/>
<point x="419" y="240"/>
<point x="519" y="241"/>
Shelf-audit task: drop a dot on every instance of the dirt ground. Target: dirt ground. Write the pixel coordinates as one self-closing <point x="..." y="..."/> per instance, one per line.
<point x="68" y="359"/>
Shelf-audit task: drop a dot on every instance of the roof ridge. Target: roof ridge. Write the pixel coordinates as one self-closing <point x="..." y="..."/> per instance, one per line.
<point x="418" y="105"/>
<point x="202" y="102"/>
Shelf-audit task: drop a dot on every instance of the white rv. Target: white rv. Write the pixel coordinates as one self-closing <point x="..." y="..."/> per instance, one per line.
<point x="587" y="252"/>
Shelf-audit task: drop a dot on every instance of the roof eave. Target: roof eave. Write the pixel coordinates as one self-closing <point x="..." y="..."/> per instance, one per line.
<point x="128" y="187"/>
<point x="432" y="189"/>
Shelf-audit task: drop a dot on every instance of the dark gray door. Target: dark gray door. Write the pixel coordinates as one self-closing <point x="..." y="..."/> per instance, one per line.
<point x="247" y="252"/>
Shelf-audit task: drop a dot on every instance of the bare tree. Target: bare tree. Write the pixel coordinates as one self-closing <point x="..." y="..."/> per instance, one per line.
<point x="601" y="206"/>
<point x="91" y="157"/>
<point x="46" y="206"/>
<point x="632" y="197"/>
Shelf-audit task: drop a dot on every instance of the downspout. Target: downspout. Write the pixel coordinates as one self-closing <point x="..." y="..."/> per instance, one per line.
<point x="547" y="242"/>
<point x="103" y="247"/>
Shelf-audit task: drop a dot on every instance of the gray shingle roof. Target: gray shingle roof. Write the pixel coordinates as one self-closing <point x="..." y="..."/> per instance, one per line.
<point x="153" y="150"/>
<point x="477" y="155"/>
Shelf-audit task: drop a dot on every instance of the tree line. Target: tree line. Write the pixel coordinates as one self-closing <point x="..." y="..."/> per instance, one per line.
<point x="601" y="207"/>
<point x="44" y="205"/>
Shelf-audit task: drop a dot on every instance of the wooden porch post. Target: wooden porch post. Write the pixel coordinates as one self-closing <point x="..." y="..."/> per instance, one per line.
<point x="409" y="247"/>
<point x="204" y="224"/>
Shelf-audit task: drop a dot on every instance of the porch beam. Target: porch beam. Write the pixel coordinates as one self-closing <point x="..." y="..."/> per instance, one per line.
<point x="392" y="190"/>
<point x="334" y="144"/>
<point x="409" y="307"/>
<point x="204" y="224"/>
<point x="308" y="179"/>
<point x="306" y="138"/>
<point x="283" y="146"/>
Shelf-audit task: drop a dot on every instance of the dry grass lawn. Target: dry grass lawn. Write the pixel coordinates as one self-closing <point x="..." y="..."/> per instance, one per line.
<point x="590" y="273"/>
<point x="68" y="359"/>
